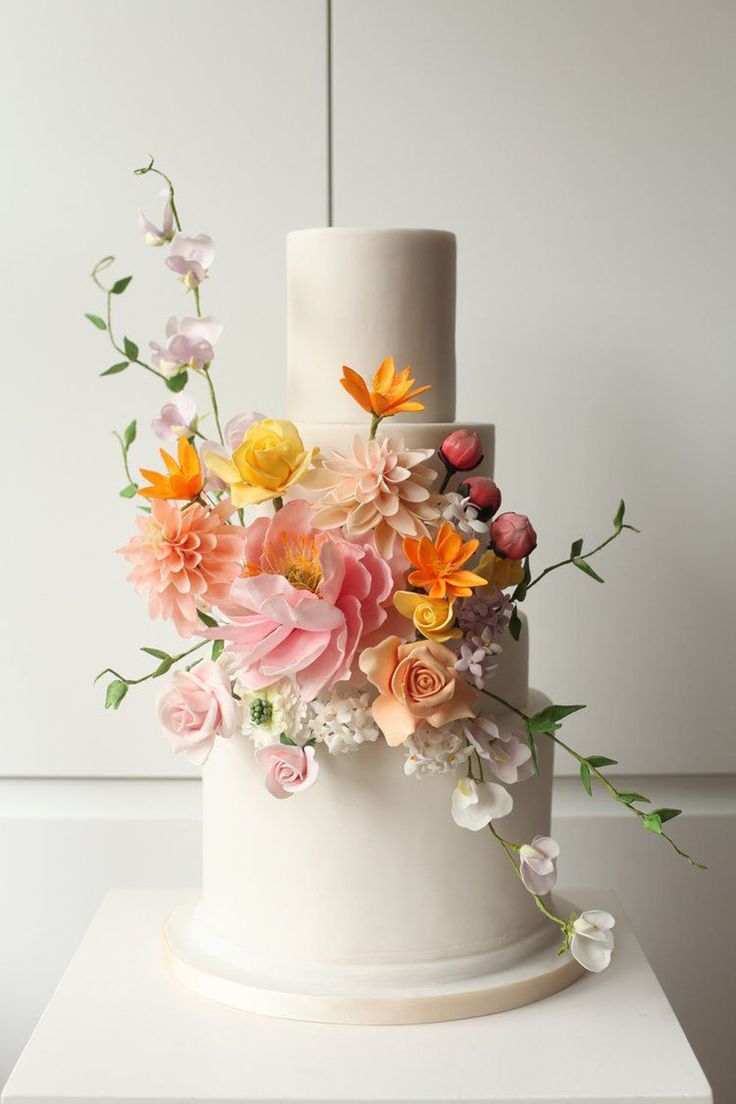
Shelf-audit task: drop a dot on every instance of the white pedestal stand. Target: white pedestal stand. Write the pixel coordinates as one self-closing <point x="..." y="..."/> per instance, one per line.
<point x="118" y="1029"/>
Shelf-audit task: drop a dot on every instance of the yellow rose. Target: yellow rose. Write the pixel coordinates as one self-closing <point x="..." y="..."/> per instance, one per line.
<point x="432" y="617"/>
<point x="498" y="571"/>
<point x="270" y="458"/>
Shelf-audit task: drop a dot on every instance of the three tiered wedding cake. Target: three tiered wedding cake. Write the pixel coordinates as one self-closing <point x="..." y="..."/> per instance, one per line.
<point x="363" y="901"/>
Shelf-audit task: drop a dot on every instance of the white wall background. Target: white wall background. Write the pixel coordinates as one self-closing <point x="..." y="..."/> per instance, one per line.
<point x="585" y="156"/>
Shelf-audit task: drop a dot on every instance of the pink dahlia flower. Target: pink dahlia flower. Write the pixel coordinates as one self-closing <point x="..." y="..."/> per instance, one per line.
<point x="381" y="487"/>
<point x="184" y="557"/>
<point x="195" y="706"/>
<point x="307" y="601"/>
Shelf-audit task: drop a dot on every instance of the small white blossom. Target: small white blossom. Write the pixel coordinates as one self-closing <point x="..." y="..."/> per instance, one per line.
<point x="538" y="864"/>
<point x="266" y="714"/>
<point x="476" y="804"/>
<point x="463" y="516"/>
<point x="478" y="658"/>
<point x="507" y="754"/>
<point x="435" y="750"/>
<point x="592" y="941"/>
<point x="342" y="722"/>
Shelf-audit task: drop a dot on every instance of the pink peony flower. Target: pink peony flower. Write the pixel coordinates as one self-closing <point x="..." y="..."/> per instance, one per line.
<point x="381" y="487"/>
<point x="152" y="235"/>
<point x="461" y="450"/>
<point x="177" y="418"/>
<point x="513" y="536"/>
<point x="189" y="344"/>
<point x="190" y="258"/>
<point x="288" y="769"/>
<point x="306" y="603"/>
<point x="184" y="557"/>
<point x="483" y="494"/>
<point x="196" y="705"/>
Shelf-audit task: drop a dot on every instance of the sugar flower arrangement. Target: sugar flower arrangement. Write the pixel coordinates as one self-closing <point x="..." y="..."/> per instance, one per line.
<point x="343" y="597"/>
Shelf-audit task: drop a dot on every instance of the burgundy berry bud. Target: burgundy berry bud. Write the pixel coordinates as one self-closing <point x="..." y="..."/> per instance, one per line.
<point x="512" y="535"/>
<point x="461" y="450"/>
<point x="483" y="494"/>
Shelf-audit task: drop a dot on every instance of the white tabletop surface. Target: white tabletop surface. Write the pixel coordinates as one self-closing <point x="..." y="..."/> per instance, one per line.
<point x="118" y="1029"/>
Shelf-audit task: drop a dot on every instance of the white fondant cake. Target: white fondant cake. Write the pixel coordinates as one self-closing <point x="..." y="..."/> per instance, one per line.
<point x="362" y="901"/>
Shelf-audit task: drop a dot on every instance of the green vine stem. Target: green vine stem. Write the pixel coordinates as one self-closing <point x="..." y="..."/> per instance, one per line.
<point x="100" y="267"/>
<point x="592" y="770"/>
<point x="124" y="451"/>
<point x="213" y="400"/>
<point x="578" y="557"/>
<point x="150" y="168"/>
<point x="167" y="661"/>
<point x="376" y="420"/>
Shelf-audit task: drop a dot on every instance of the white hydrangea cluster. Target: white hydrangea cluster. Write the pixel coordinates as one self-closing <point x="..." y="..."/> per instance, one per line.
<point x="341" y="721"/>
<point x="436" y="750"/>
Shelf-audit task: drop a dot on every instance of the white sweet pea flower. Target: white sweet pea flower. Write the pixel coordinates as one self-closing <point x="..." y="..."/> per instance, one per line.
<point x="190" y="258"/>
<point x="538" y="864"/>
<point x="475" y="805"/>
<point x="592" y="940"/>
<point x="155" y="235"/>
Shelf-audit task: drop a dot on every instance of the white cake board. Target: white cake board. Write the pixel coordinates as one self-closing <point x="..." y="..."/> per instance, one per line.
<point x="454" y="989"/>
<point x="119" y="1031"/>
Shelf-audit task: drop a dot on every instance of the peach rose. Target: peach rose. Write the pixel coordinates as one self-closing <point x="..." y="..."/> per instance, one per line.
<point x="417" y="682"/>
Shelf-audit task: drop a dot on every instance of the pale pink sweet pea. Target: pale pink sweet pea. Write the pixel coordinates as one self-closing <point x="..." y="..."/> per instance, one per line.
<point x="177" y="418"/>
<point x="196" y="706"/>
<point x="190" y="258"/>
<point x="288" y="769"/>
<point x="538" y="864"/>
<point x="152" y="234"/>
<point x="189" y="344"/>
<point x="592" y="941"/>
<point x="305" y="605"/>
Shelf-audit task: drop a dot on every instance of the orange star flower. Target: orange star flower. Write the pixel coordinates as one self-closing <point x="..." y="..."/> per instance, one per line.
<point x="440" y="563"/>
<point x="391" y="390"/>
<point x="183" y="479"/>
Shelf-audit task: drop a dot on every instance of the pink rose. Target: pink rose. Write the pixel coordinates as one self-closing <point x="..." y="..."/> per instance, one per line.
<point x="461" y="450"/>
<point x="417" y="682"/>
<point x="288" y="769"/>
<point x="513" y="536"/>
<point x="196" y="706"/>
<point x="483" y="494"/>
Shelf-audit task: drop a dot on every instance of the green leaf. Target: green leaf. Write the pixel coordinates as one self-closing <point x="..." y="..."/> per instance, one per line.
<point x="585" y="778"/>
<point x="618" y="521"/>
<point x="653" y="823"/>
<point x="547" y="719"/>
<point x="156" y="653"/>
<point x="520" y="593"/>
<point x="585" y="567"/>
<point x="208" y="621"/>
<point x="119" y="367"/>
<point x="576" y="548"/>
<point x="116" y="691"/>
<point x="667" y="814"/>
<point x="179" y="381"/>
<point x="217" y="648"/>
<point x="131" y="349"/>
<point x="600" y="761"/>
<point x="130" y="491"/>
<point x="145" y="509"/>
<point x="97" y="321"/>
<point x="515" y="624"/>
<point x="532" y="746"/>
<point x="284" y="739"/>
<point x="629" y="798"/>
<point x="163" y="667"/>
<point x="120" y="285"/>
<point x="129" y="434"/>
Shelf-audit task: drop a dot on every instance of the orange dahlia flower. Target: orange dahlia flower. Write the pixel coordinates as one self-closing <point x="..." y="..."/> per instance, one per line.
<point x="439" y="564"/>
<point x="183" y="479"/>
<point x="391" y="391"/>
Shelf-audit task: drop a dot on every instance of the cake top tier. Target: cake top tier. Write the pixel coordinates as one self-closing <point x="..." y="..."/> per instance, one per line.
<point x="355" y="297"/>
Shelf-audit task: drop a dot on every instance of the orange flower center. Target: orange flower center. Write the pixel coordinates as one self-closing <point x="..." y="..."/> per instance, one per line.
<point x="298" y="561"/>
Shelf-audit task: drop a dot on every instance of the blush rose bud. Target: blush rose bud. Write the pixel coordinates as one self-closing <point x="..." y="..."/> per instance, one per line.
<point x="461" y="450"/>
<point x="483" y="494"/>
<point x="513" y="536"/>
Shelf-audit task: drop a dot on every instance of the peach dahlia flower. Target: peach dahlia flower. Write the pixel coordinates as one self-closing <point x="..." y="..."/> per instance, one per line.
<point x="381" y="487"/>
<point x="184" y="557"/>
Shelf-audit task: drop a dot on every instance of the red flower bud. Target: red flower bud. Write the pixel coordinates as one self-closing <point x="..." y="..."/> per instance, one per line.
<point x="483" y="494"/>
<point x="512" y="535"/>
<point x="461" y="450"/>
